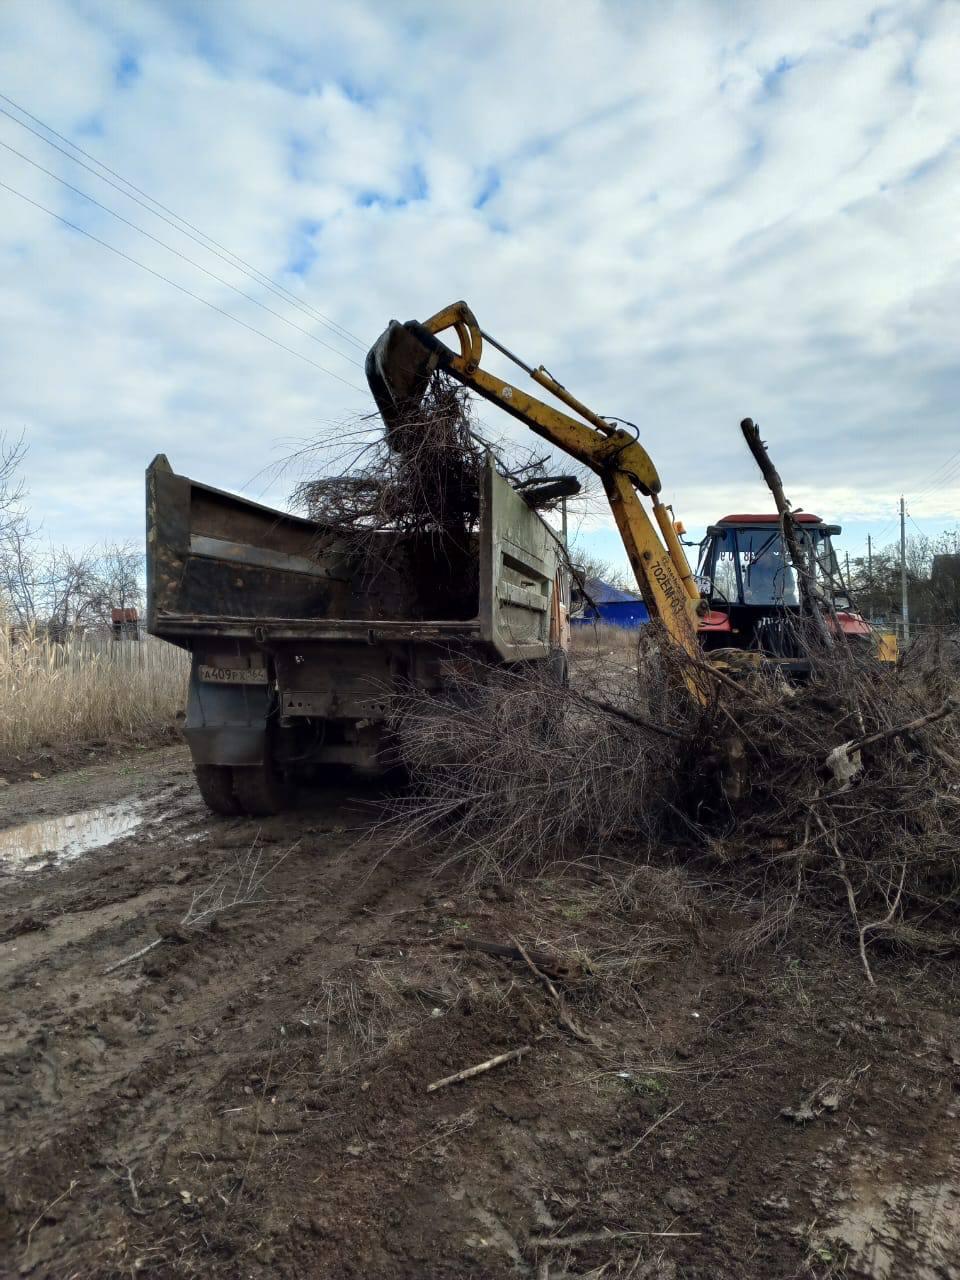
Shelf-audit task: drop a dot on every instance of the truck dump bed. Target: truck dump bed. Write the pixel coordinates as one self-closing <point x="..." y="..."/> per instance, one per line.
<point x="221" y="565"/>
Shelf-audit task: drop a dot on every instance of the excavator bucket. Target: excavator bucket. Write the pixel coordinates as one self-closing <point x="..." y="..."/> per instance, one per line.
<point x="398" y="369"/>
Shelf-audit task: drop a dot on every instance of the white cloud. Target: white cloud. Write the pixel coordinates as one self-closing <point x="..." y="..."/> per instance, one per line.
<point x="689" y="212"/>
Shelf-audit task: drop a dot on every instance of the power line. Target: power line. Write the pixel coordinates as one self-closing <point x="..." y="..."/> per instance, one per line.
<point x="227" y="255"/>
<point x="264" y="278"/>
<point x="181" y="288"/>
<point x="935" y="476"/>
<point x="193" y="263"/>
<point x="893" y="520"/>
<point x="941" y="480"/>
<point x="915" y="525"/>
<point x="945" y="478"/>
<point x="943" y="474"/>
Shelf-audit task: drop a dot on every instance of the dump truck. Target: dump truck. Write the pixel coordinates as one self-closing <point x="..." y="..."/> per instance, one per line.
<point x="298" y="637"/>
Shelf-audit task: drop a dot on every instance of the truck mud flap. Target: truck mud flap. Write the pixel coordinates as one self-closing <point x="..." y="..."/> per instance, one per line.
<point x="226" y="724"/>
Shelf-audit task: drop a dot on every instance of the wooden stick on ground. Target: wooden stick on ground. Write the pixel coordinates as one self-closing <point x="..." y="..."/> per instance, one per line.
<point x="549" y="964"/>
<point x="563" y="1016"/>
<point x="118" y="964"/>
<point x="45" y="1210"/>
<point x="480" y="1068"/>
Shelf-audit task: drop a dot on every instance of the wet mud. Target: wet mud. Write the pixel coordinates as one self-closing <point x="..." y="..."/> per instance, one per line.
<point x="248" y="1096"/>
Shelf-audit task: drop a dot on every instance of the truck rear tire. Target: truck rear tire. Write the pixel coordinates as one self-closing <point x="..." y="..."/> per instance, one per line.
<point x="259" y="790"/>
<point x="558" y="668"/>
<point x="215" y="784"/>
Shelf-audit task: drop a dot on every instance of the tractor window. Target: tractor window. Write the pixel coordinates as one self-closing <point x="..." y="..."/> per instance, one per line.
<point x="767" y="577"/>
<point x="828" y="572"/>
<point x="717" y="571"/>
<point x="725" y="586"/>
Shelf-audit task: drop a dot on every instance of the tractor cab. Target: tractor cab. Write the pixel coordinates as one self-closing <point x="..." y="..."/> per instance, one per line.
<point x="745" y="574"/>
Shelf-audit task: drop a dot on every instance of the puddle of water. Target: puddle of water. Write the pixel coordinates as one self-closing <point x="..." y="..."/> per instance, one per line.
<point x="29" y="847"/>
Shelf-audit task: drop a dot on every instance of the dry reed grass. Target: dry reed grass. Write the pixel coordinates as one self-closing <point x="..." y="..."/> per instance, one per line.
<point x="602" y="639"/>
<point x="59" y="695"/>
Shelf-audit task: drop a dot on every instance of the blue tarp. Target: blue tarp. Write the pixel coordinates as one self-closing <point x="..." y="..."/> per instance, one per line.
<point x="612" y="606"/>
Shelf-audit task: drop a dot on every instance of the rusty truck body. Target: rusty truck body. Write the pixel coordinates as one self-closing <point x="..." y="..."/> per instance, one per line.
<point x="298" y="637"/>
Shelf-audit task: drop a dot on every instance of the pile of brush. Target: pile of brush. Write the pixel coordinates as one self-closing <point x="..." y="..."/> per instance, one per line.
<point x="510" y="770"/>
<point x="832" y="803"/>
<point x="851" y="801"/>
<point x="423" y="477"/>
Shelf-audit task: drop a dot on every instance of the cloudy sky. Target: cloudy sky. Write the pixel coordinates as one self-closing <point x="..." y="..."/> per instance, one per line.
<point x="689" y="212"/>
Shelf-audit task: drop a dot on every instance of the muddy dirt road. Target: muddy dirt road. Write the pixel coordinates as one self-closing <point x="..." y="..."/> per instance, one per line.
<point x="248" y="1098"/>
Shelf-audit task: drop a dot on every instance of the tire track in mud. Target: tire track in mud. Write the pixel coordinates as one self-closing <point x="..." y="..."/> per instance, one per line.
<point x="100" y="1071"/>
<point x="148" y="1027"/>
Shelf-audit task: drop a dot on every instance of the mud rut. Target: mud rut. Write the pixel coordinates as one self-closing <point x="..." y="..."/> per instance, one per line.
<point x="249" y="1100"/>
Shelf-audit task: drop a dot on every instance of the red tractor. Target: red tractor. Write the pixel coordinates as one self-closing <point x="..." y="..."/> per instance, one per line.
<point x="745" y="574"/>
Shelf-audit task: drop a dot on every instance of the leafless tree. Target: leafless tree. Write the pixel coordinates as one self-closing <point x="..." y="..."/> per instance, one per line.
<point x="44" y="586"/>
<point x="12" y="492"/>
<point x="114" y="581"/>
<point x="50" y="588"/>
<point x="16" y="534"/>
<point x="591" y="568"/>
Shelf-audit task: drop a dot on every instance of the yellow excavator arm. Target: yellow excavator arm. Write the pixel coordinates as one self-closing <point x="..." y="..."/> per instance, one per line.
<point x="399" y="366"/>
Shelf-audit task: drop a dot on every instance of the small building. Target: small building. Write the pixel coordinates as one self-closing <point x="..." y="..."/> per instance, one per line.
<point x="125" y="624"/>
<point x="599" y="601"/>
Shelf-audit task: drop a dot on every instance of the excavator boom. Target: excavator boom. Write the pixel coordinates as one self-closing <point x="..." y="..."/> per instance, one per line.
<point x="399" y="366"/>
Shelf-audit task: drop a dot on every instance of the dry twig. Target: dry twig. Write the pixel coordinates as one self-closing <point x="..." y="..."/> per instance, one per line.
<point x="469" y="1072"/>
<point x="235" y="886"/>
<point x="562" y="1015"/>
<point x="548" y="963"/>
<point x="45" y="1210"/>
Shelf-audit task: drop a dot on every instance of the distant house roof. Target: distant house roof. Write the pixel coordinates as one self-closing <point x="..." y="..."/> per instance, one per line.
<point x="601" y="592"/>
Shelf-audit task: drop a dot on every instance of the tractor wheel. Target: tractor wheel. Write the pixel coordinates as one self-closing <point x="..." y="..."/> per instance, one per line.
<point x="215" y="784"/>
<point x="260" y="790"/>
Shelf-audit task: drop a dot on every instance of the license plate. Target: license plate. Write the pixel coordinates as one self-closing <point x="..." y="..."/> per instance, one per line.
<point x="233" y="675"/>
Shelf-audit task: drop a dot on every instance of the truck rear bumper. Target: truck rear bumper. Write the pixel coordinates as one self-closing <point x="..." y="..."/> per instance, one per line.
<point x="226" y="744"/>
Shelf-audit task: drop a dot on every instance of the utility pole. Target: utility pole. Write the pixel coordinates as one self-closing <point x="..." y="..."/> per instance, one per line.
<point x="563" y="521"/>
<point x="870" y="574"/>
<point x="903" y="574"/>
